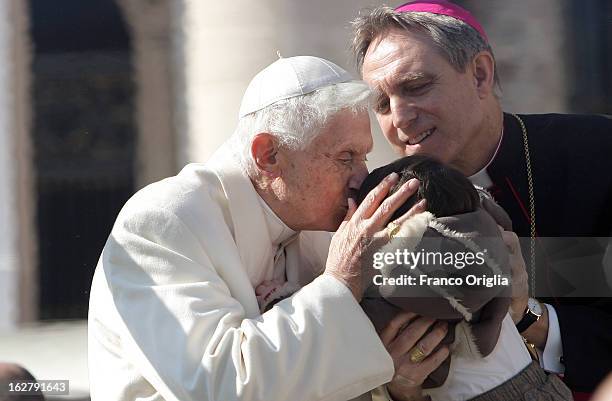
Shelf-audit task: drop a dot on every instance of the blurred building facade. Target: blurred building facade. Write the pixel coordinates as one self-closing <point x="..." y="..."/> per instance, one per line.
<point x="100" y="98"/>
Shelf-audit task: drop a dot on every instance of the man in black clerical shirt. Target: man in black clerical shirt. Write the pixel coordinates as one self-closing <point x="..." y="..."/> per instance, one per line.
<point x="432" y="70"/>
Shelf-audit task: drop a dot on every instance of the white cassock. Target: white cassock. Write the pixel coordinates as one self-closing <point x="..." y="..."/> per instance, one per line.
<point x="173" y="313"/>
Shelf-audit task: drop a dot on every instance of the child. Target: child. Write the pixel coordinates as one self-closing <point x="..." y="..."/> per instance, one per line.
<point x="429" y="256"/>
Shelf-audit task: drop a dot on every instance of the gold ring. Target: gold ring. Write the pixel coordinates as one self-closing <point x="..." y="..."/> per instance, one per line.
<point x="394" y="229"/>
<point x="416" y="355"/>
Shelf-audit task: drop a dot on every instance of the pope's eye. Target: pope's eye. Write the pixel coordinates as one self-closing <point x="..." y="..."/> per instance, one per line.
<point x="346" y="157"/>
<point x="382" y="106"/>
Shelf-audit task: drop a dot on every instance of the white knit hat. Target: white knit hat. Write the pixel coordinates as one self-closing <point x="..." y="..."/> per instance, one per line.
<point x="289" y="77"/>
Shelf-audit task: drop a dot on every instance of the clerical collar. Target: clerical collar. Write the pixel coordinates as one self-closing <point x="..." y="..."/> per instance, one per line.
<point x="481" y="177"/>
<point x="279" y="231"/>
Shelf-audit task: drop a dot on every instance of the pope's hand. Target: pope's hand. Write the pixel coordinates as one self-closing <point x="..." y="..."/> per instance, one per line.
<point x="361" y="224"/>
<point x="413" y="353"/>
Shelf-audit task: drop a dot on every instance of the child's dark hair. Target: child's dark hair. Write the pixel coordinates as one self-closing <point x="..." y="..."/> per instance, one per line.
<point x="447" y="191"/>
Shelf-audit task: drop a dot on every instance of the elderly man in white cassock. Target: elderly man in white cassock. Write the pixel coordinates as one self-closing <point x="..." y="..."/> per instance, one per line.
<point x="215" y="284"/>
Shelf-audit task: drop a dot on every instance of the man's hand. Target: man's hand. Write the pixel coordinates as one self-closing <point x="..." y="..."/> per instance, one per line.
<point x="350" y="243"/>
<point x="537" y="333"/>
<point x="403" y="334"/>
<point x="520" y="285"/>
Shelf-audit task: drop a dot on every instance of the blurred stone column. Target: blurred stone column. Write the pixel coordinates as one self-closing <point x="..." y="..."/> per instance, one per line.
<point x="149" y="23"/>
<point x="221" y="46"/>
<point x="18" y="278"/>
<point x="528" y="40"/>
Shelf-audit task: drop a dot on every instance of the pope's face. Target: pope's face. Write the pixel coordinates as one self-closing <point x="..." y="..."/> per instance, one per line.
<point x="320" y="179"/>
<point x="423" y="105"/>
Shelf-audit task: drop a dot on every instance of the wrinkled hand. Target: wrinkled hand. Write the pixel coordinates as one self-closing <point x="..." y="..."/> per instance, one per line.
<point x="361" y="224"/>
<point x="520" y="285"/>
<point x="405" y="332"/>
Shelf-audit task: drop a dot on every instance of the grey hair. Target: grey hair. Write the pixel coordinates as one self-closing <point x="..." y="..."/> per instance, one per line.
<point x="296" y="121"/>
<point x="457" y="41"/>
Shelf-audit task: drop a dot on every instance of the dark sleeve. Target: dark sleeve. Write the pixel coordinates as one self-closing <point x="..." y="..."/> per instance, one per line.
<point x="586" y="335"/>
<point x="586" y="328"/>
<point x="586" y="323"/>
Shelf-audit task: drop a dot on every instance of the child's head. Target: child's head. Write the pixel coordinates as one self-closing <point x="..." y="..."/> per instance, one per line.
<point x="457" y="225"/>
<point x="447" y="191"/>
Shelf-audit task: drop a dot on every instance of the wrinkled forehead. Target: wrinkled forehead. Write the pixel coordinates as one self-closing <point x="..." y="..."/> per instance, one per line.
<point x="400" y="34"/>
<point x="396" y="47"/>
<point x="346" y="130"/>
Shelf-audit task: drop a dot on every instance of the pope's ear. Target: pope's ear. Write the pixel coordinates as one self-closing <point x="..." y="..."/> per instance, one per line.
<point x="483" y="70"/>
<point x="264" y="151"/>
